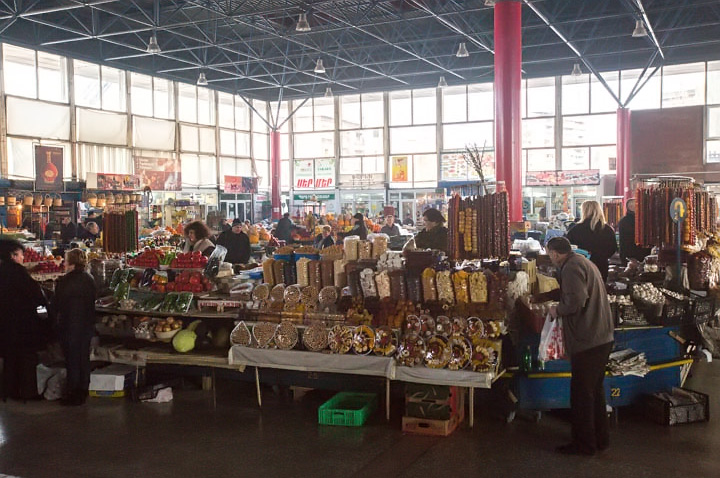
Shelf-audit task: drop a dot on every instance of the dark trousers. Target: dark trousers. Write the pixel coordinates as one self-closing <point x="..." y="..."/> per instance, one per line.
<point x="76" y="347"/>
<point x="590" y="429"/>
<point x="19" y="379"/>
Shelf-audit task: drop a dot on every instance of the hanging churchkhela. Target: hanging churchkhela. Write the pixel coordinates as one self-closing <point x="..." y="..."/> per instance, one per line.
<point x="478" y="227"/>
<point x="655" y="227"/>
<point x="120" y="231"/>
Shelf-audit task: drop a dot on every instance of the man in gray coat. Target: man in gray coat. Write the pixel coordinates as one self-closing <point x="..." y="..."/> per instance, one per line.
<point x="588" y="333"/>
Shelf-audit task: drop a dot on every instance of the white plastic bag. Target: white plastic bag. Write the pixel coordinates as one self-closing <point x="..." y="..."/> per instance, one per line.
<point x="552" y="345"/>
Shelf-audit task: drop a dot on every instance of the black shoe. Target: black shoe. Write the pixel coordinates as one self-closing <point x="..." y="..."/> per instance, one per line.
<point x="574" y="449"/>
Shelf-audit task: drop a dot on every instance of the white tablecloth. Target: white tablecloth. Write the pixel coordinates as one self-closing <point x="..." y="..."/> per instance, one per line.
<point x="460" y="378"/>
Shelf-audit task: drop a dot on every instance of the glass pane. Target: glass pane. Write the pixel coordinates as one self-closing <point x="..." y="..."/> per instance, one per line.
<point x="683" y="85"/>
<point x="208" y="171"/>
<point x="242" y="144"/>
<point x="141" y="94"/>
<point x="86" y="77"/>
<point x="457" y="136"/>
<point x="19" y="71"/>
<point x="226" y="110"/>
<point x="190" y="170"/>
<point x="538" y="133"/>
<point x="481" y="102"/>
<point x="189" y="140"/>
<point x="350" y="165"/>
<point x="588" y="130"/>
<point x="425" y="168"/>
<point x="415" y="139"/>
<point x="113" y="89"/>
<point x="576" y="94"/>
<point x="541" y="97"/>
<point x="242" y="114"/>
<point x="604" y="158"/>
<point x="400" y="108"/>
<point x="541" y="160"/>
<point x="713" y="82"/>
<point x="284" y="146"/>
<point x="713" y="151"/>
<point x="361" y="142"/>
<point x="207" y="140"/>
<point x="424" y="107"/>
<point x="259" y="121"/>
<point x="714" y="122"/>
<point x="372" y="110"/>
<point x="601" y="101"/>
<point x="282" y="115"/>
<point x="315" y="145"/>
<point x="575" y="158"/>
<point x="303" y="117"/>
<point x="350" y="112"/>
<point x="260" y="146"/>
<point x="164" y="105"/>
<point x="227" y="142"/>
<point x="206" y="106"/>
<point x="649" y="95"/>
<point x="373" y="164"/>
<point x="52" y="77"/>
<point x="454" y="101"/>
<point x="187" y="103"/>
<point x="285" y="175"/>
<point x="324" y="114"/>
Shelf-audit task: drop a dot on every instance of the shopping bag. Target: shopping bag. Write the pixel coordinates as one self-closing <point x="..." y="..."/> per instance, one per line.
<point x="552" y="345"/>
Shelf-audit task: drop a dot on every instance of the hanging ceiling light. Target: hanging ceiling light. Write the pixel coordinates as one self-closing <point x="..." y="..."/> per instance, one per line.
<point x="153" y="46"/>
<point x="319" y="68"/>
<point x="442" y="83"/>
<point x="576" y="71"/>
<point x="640" y="30"/>
<point x="489" y="3"/>
<point x="302" y="23"/>
<point x="202" y="81"/>
<point x="462" y="51"/>
<point x="328" y="92"/>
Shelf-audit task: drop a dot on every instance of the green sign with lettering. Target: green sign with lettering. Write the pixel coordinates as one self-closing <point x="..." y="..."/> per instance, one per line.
<point x="314" y="197"/>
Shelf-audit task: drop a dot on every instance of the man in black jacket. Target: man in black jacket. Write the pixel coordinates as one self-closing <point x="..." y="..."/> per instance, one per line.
<point x="283" y="231"/>
<point x="236" y="242"/>
<point x="68" y="230"/>
<point x="626" y="231"/>
<point x="588" y="334"/>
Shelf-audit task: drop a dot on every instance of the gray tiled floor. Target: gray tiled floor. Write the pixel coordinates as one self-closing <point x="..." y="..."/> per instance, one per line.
<point x="187" y="437"/>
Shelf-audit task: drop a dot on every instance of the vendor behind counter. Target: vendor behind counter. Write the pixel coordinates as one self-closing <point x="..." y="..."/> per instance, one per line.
<point x="434" y="235"/>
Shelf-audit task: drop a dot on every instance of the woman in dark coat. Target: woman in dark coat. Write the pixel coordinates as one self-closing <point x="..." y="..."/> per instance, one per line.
<point x="21" y="333"/>
<point x="359" y="228"/>
<point x="74" y="306"/>
<point x="595" y="236"/>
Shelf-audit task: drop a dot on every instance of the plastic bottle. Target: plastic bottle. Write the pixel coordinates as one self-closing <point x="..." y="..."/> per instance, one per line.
<point x="526" y="364"/>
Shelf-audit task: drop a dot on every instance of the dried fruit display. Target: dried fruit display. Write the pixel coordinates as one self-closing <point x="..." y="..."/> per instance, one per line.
<point x="286" y="335"/>
<point x="315" y="337"/>
<point x="478" y="227"/>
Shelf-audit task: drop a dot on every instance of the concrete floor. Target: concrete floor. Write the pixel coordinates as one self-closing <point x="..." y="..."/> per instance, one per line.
<point x="190" y="438"/>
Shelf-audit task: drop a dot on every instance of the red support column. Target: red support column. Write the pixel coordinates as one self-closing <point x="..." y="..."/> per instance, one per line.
<point x="508" y="115"/>
<point x="622" y="181"/>
<point x="275" y="174"/>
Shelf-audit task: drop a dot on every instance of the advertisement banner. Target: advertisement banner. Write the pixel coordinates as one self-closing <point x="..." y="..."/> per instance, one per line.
<point x="324" y="173"/>
<point x="115" y="182"/>
<point x="304" y="174"/>
<point x="362" y="181"/>
<point x="48" y="168"/>
<point x="399" y="169"/>
<point x="562" y="178"/>
<point x="453" y="167"/>
<point x="160" y="174"/>
<point x="241" y="185"/>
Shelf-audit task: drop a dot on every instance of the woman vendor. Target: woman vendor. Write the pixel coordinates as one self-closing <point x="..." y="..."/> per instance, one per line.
<point x="197" y="238"/>
<point x="434" y="235"/>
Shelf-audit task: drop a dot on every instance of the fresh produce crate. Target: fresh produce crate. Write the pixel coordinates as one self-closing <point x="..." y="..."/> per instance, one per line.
<point x="426" y="426"/>
<point x="691" y="407"/>
<point x="347" y="409"/>
<point x="429" y="402"/>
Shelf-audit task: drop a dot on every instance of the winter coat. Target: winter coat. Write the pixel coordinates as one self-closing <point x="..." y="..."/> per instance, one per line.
<point x="435" y="238"/>
<point x="20" y="296"/>
<point x="74" y="302"/>
<point x="626" y="233"/>
<point x="600" y="243"/>
<point x="237" y="245"/>
<point x="283" y="231"/>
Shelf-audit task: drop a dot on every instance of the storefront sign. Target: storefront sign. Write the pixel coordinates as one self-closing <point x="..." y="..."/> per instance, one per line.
<point x="160" y="174"/>
<point x="362" y="181"/>
<point x="113" y="182"/>
<point x="324" y="173"/>
<point x="314" y="173"/>
<point x="562" y="178"/>
<point x="399" y="169"/>
<point x="48" y="168"/>
<point x="314" y="197"/>
<point x="304" y="174"/>
<point x="240" y="185"/>
<point x="453" y="167"/>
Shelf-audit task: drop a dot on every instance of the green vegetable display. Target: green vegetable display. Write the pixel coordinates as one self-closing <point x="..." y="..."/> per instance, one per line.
<point x="121" y="291"/>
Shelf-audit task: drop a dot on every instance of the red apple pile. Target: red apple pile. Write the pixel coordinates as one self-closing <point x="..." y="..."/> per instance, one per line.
<point x="189" y="281"/>
<point x="148" y="258"/>
<point x="189" y="260"/>
<point x="31" y="255"/>
<point x="48" y="267"/>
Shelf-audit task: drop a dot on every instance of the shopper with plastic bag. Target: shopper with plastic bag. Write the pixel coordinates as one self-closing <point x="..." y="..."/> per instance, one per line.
<point x="588" y="340"/>
<point x="552" y="344"/>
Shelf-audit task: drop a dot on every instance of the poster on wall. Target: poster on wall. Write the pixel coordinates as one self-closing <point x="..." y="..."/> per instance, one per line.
<point x="453" y="167"/>
<point x="324" y="173"/>
<point x="48" y="168"/>
<point x="241" y="185"/>
<point x="160" y="174"/>
<point x="563" y="178"/>
<point x="113" y="182"/>
<point x="399" y="165"/>
<point x="304" y="174"/>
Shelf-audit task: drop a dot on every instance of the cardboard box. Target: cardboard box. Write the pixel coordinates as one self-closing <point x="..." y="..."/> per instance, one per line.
<point x="112" y="378"/>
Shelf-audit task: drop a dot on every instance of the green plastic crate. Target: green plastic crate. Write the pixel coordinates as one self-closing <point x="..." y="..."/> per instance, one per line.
<point x="347" y="409"/>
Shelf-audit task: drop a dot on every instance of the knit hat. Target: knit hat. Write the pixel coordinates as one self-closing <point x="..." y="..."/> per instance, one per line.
<point x="237" y="221"/>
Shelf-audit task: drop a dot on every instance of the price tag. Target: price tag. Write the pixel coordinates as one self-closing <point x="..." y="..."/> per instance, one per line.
<point x="678" y="210"/>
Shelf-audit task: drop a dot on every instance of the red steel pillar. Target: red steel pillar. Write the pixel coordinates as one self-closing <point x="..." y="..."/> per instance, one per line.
<point x="622" y="181"/>
<point x="508" y="115"/>
<point x="275" y="174"/>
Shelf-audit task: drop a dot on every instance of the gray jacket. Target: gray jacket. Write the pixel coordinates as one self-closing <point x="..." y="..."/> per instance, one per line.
<point x="584" y="306"/>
